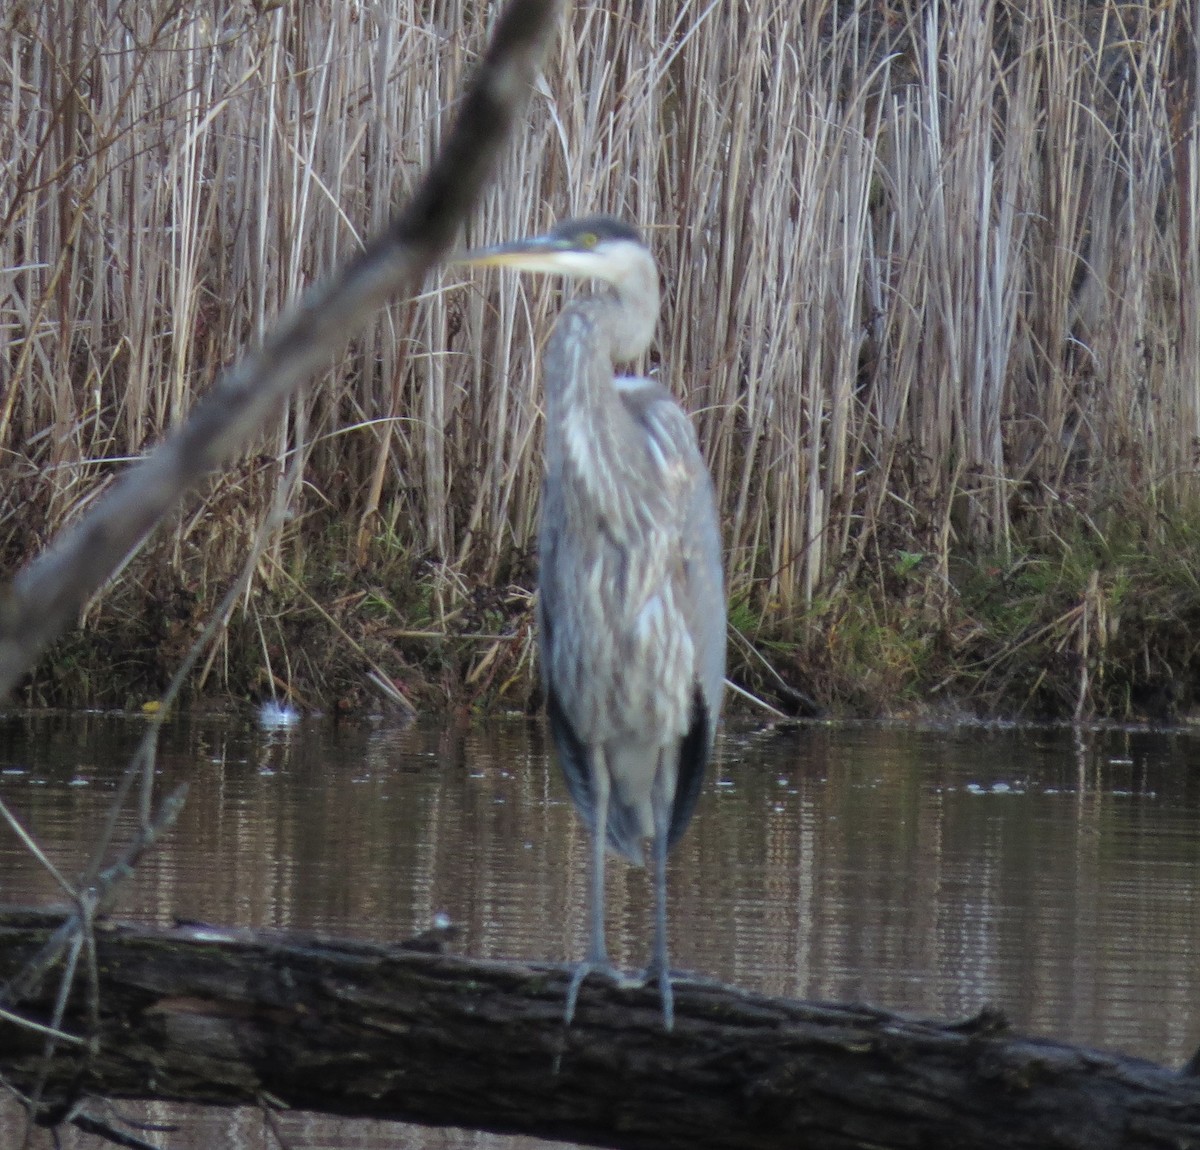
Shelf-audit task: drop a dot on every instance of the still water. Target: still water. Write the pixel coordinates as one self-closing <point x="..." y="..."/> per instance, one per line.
<point x="1052" y="873"/>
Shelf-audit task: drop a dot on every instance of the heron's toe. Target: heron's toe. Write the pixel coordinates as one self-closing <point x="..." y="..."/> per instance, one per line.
<point x="680" y="978"/>
<point x="594" y="968"/>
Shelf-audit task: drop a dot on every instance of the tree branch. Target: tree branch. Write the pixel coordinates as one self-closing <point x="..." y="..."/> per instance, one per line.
<point x="51" y="590"/>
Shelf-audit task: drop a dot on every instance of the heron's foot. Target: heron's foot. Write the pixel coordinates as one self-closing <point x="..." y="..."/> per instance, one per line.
<point x="592" y="966"/>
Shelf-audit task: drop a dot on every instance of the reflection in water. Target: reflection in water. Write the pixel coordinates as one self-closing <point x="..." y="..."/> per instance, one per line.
<point x="1048" y="873"/>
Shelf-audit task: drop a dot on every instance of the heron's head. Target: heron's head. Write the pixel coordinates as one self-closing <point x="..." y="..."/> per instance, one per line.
<point x="593" y="247"/>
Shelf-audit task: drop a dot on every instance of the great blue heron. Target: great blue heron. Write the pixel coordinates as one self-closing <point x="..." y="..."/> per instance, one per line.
<point x="631" y="605"/>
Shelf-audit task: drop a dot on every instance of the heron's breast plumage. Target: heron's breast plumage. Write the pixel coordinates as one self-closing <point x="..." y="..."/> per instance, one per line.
<point x="621" y="651"/>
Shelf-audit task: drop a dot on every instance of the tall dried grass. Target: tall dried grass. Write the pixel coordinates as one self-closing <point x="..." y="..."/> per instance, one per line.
<point x="930" y="269"/>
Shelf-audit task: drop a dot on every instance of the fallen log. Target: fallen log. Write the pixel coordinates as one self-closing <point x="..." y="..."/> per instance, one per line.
<point x="232" y="1017"/>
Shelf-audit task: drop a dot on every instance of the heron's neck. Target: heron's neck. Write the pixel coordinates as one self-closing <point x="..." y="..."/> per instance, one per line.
<point x="598" y="330"/>
<point x="588" y="430"/>
<point x="625" y="313"/>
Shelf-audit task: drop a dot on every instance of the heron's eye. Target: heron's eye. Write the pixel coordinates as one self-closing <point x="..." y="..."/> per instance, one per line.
<point x="589" y="240"/>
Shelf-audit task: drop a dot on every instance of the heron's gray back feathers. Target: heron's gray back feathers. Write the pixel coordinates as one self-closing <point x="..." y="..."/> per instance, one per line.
<point x="631" y="601"/>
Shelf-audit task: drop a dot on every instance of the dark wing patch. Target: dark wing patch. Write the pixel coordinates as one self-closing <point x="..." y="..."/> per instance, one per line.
<point x="693" y="758"/>
<point x="572" y="759"/>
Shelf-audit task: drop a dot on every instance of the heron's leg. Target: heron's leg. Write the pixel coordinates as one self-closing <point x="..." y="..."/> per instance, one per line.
<point x="597" y="950"/>
<point x="597" y="958"/>
<point x="659" y="970"/>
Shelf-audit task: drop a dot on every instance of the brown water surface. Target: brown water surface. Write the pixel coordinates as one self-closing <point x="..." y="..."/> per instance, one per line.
<point x="1052" y="873"/>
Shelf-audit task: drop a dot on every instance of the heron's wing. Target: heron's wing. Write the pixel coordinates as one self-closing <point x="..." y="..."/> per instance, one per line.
<point x="671" y="440"/>
<point x="572" y="758"/>
<point x="700" y="586"/>
<point x="572" y="754"/>
<point x="704" y="604"/>
<point x="695" y="749"/>
<point x="704" y="597"/>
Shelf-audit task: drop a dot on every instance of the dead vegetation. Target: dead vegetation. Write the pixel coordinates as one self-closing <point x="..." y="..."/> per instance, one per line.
<point x="931" y="296"/>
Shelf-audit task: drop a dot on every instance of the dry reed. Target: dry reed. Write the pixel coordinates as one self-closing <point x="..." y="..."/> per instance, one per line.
<point x="930" y="272"/>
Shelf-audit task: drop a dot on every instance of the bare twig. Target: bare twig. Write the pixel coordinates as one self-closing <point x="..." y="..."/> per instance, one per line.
<point x="101" y="896"/>
<point x="742" y="693"/>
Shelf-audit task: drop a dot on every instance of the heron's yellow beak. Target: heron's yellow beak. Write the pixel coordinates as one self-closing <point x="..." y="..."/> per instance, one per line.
<point x="537" y="254"/>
